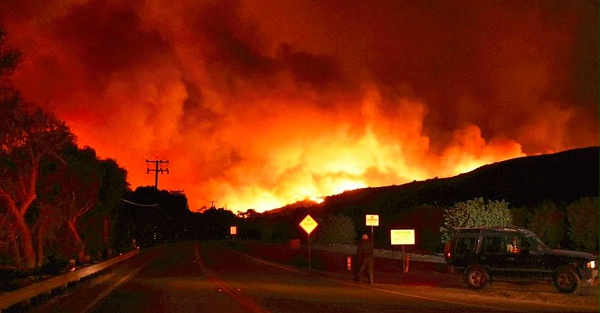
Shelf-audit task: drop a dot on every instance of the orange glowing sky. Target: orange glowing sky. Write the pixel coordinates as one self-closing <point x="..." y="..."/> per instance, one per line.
<point x="258" y="104"/>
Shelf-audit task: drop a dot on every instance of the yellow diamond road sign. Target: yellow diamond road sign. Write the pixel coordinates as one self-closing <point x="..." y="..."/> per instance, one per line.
<point x="308" y="224"/>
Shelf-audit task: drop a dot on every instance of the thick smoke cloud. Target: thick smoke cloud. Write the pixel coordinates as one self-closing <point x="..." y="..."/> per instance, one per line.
<point x="262" y="103"/>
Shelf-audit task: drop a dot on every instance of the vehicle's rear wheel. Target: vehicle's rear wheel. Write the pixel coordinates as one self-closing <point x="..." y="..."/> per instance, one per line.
<point x="566" y="280"/>
<point x="476" y="277"/>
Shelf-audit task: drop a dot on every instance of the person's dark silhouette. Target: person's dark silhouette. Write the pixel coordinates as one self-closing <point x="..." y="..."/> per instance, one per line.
<point x="364" y="256"/>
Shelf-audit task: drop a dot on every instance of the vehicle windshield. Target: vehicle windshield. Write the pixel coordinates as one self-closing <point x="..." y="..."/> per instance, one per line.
<point x="537" y="244"/>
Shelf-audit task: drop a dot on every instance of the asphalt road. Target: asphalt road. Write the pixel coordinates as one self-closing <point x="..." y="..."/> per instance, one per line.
<point x="210" y="277"/>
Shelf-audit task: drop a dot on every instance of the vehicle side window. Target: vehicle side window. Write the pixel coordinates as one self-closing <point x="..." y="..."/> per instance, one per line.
<point x="536" y="244"/>
<point x="525" y="244"/>
<point x="516" y="244"/>
<point x="493" y="245"/>
<point x="465" y="245"/>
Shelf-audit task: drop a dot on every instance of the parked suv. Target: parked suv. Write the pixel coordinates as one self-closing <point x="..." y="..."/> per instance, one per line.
<point x="510" y="253"/>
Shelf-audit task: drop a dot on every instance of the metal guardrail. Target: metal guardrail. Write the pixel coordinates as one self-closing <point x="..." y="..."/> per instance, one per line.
<point x="27" y="293"/>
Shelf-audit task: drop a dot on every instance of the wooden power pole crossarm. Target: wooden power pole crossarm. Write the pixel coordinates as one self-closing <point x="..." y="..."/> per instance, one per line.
<point x="157" y="169"/>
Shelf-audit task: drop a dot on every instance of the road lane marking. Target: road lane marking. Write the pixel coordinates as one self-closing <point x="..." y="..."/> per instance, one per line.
<point x="285" y="267"/>
<point x="425" y="298"/>
<point x="240" y="298"/>
<point x="106" y="292"/>
<point x="552" y="306"/>
<point x="296" y="270"/>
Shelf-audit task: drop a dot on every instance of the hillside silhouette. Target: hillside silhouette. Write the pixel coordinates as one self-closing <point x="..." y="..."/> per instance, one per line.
<point x="524" y="183"/>
<point x="561" y="178"/>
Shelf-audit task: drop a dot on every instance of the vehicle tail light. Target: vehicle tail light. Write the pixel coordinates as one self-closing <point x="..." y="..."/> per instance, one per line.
<point x="448" y="250"/>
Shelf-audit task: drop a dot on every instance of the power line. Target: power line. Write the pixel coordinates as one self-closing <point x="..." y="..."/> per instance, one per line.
<point x="139" y="204"/>
<point x="148" y="206"/>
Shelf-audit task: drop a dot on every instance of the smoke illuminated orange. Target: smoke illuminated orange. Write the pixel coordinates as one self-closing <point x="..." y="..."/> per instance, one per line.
<point x="259" y="104"/>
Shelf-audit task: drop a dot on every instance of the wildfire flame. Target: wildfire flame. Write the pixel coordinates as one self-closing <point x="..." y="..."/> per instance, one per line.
<point x="257" y="105"/>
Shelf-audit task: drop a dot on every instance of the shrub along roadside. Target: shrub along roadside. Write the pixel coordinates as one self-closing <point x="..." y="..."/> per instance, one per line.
<point x="475" y="213"/>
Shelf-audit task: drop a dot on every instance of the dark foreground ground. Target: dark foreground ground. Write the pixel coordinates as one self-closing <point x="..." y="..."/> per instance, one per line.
<point x="425" y="278"/>
<point x="333" y="263"/>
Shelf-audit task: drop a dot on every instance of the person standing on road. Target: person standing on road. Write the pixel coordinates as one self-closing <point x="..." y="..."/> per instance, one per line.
<point x="364" y="257"/>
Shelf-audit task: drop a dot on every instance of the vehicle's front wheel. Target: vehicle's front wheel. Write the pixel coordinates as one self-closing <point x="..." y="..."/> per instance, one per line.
<point x="566" y="280"/>
<point x="476" y="277"/>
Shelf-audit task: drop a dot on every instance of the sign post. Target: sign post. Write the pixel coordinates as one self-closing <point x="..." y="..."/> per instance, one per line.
<point x="403" y="237"/>
<point x="372" y="220"/>
<point x="308" y="224"/>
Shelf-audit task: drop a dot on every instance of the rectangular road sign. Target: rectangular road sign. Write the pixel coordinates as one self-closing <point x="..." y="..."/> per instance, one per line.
<point x="402" y="236"/>
<point x="372" y="220"/>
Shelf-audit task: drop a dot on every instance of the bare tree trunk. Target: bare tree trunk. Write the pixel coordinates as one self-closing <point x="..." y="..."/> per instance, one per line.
<point x="28" y="250"/>
<point x="40" y="243"/>
<point x="107" y="249"/>
<point x="18" y="259"/>
<point x="71" y="223"/>
<point x="18" y="207"/>
<point x="106" y="230"/>
<point x="40" y="250"/>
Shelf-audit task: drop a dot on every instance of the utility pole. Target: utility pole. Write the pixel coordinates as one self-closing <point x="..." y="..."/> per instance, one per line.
<point x="212" y="203"/>
<point x="157" y="169"/>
